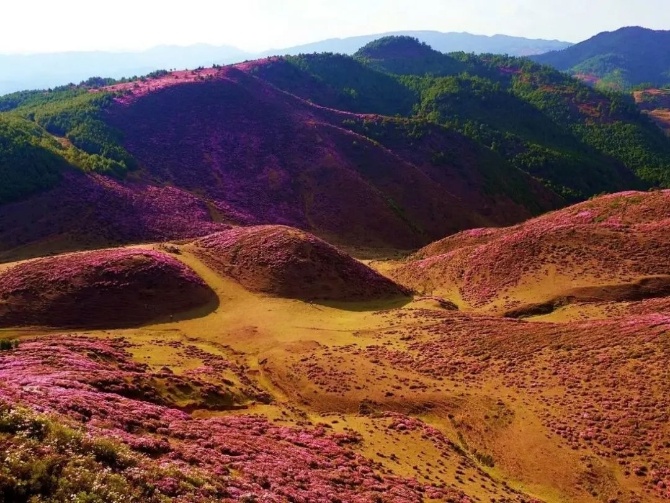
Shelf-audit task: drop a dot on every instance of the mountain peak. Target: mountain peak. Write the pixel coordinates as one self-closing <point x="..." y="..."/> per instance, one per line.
<point x="406" y="55"/>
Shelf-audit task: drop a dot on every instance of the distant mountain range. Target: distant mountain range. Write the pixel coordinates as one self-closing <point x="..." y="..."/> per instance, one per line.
<point x="41" y="71"/>
<point x="619" y="59"/>
<point x="443" y="42"/>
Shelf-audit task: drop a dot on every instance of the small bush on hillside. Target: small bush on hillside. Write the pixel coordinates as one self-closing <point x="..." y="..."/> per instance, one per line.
<point x="485" y="459"/>
<point x="7" y="344"/>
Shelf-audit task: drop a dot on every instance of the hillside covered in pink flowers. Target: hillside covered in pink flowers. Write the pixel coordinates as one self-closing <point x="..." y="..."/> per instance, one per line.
<point x="101" y="289"/>
<point x="609" y="249"/>
<point x="223" y="146"/>
<point x="263" y="364"/>
<point x="288" y="263"/>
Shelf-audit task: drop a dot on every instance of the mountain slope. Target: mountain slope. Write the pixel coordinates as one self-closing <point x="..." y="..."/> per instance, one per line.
<point x="620" y="59"/>
<point x="396" y="147"/>
<point x="578" y="141"/>
<point x="26" y="166"/>
<point x="656" y="104"/>
<point x="278" y="159"/>
<point x="227" y="146"/>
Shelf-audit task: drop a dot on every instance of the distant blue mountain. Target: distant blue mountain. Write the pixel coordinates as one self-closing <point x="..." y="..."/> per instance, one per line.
<point x="39" y="71"/>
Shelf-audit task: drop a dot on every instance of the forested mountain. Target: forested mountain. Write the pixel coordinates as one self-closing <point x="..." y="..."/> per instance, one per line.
<point x="578" y="140"/>
<point x="620" y="59"/>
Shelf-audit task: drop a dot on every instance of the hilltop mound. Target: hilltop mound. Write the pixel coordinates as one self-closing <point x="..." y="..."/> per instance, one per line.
<point x="407" y="55"/>
<point x="396" y="47"/>
<point x="610" y="248"/>
<point x="109" y="288"/>
<point x="290" y="263"/>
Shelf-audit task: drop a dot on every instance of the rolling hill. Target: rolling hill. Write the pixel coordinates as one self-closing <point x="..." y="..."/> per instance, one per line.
<point x="619" y="59"/>
<point x="578" y="141"/>
<point x="264" y="394"/>
<point x="288" y="263"/>
<point x="223" y="146"/>
<point x="89" y="290"/>
<point x="607" y="250"/>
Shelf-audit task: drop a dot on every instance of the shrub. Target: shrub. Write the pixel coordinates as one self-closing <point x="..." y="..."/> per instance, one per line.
<point x="8" y="344"/>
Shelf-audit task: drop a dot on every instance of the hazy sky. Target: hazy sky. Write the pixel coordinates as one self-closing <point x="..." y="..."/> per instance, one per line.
<point x="55" y="25"/>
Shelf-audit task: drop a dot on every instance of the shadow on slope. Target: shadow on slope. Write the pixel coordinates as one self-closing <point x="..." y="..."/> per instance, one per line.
<point x="647" y="288"/>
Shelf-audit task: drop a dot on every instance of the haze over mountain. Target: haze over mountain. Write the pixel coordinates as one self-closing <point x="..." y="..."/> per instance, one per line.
<point x="42" y="71"/>
<point x="618" y="59"/>
<point x="443" y="42"/>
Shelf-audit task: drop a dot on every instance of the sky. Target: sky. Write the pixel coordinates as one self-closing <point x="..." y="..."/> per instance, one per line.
<point x="254" y="25"/>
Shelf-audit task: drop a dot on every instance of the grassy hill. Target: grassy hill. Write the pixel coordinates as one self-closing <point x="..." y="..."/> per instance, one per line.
<point x="608" y="249"/>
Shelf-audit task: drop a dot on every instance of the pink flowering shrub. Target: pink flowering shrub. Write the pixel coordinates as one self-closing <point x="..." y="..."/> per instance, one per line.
<point x="92" y="211"/>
